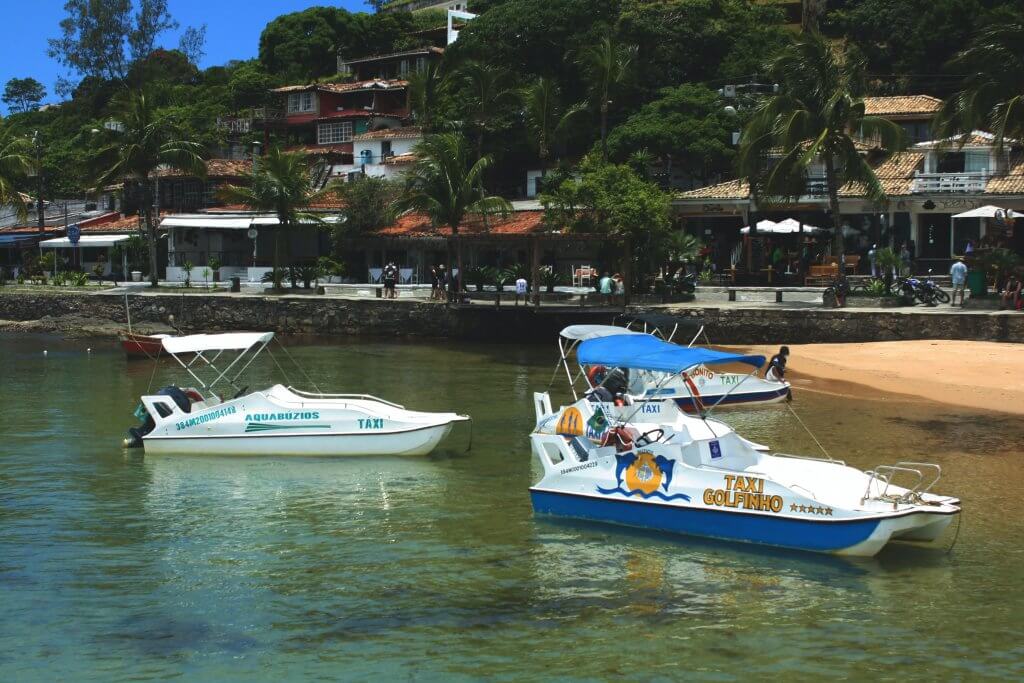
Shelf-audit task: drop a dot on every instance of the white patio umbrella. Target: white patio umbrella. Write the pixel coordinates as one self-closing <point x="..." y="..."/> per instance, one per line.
<point x="988" y="211"/>
<point x="788" y="226"/>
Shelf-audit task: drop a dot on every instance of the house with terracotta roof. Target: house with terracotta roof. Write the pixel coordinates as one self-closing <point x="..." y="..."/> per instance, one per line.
<point x="383" y="153"/>
<point x="324" y="118"/>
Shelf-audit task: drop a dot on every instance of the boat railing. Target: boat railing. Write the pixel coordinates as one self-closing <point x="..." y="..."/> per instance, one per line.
<point x="827" y="459"/>
<point x="363" y="397"/>
<point x="925" y="475"/>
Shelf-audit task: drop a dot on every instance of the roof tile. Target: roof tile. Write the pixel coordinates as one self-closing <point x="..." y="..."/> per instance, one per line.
<point x="901" y="105"/>
<point x="418" y="225"/>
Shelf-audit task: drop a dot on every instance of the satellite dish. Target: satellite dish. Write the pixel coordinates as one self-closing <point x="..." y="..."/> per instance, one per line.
<point x="252" y="233"/>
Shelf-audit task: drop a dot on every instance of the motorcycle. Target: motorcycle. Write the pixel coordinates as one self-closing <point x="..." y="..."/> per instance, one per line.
<point x="925" y="291"/>
<point x="835" y="294"/>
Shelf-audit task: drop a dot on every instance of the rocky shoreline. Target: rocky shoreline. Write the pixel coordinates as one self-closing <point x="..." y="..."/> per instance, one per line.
<point x="75" y="314"/>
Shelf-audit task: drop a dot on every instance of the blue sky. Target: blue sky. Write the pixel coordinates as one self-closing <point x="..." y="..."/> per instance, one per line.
<point x="233" y="31"/>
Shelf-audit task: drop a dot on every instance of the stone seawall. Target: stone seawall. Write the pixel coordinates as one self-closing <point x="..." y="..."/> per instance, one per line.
<point x="329" y="315"/>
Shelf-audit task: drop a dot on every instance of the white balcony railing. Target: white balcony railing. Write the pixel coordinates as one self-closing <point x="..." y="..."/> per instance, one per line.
<point x="949" y="182"/>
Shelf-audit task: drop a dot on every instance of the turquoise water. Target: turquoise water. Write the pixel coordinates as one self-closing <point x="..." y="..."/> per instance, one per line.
<point x="115" y="566"/>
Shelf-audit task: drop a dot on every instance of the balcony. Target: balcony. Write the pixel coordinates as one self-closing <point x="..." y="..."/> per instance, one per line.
<point x="242" y="122"/>
<point x="945" y="183"/>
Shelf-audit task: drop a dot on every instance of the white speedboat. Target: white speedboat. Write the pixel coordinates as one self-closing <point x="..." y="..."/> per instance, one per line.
<point x="695" y="390"/>
<point x="279" y="420"/>
<point x="642" y="465"/>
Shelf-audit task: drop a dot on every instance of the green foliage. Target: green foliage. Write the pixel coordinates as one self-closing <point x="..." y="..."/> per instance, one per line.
<point x="47" y="261"/>
<point x="992" y="96"/>
<point x="446" y="184"/>
<point x="612" y="199"/>
<point x="102" y="38"/>
<point x="551" y="278"/>
<point x="682" y="246"/>
<point x="997" y="263"/>
<point x="164" y="67"/>
<point x="369" y="204"/>
<point x="214" y="264"/>
<point x="23" y="94"/>
<point x="547" y="117"/>
<point x="814" y="118"/>
<point x="685" y="127"/>
<point x="78" y="279"/>
<point x="14" y="165"/>
<point x="187" y="267"/>
<point x="683" y="41"/>
<point x="328" y="267"/>
<point x="249" y="85"/>
<point x="478" y="276"/>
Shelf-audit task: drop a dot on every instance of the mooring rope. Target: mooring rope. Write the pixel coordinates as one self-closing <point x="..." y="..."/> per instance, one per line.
<point x="956" y="534"/>
<point x="809" y="432"/>
<point x="271" y="354"/>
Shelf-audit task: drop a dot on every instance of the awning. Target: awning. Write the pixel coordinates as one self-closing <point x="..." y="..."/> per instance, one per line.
<point x="232" y="341"/>
<point x="594" y="331"/>
<point x="226" y="222"/>
<point x="14" y="240"/>
<point x="788" y="226"/>
<point x="644" y="352"/>
<point x="85" y="241"/>
<point x="987" y="212"/>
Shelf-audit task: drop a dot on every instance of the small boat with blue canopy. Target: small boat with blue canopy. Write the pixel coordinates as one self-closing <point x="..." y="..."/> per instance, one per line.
<point x="693" y="390"/>
<point x="647" y="464"/>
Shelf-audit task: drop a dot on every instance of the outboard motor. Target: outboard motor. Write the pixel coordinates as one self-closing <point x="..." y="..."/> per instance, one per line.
<point x="135" y="434"/>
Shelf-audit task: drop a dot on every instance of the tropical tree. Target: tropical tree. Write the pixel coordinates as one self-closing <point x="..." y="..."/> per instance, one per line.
<point x="606" y="65"/>
<point x="488" y="92"/>
<point x="143" y="143"/>
<point x="281" y="184"/>
<point x="547" y="117"/>
<point x="446" y="184"/>
<point x="817" y="117"/>
<point x="14" y="163"/>
<point x="992" y="95"/>
<point x="424" y="93"/>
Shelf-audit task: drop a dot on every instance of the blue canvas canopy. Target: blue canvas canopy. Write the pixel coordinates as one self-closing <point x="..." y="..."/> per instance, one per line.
<point x="644" y="352"/>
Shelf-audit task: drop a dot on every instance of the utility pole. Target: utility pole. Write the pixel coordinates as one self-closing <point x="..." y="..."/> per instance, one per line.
<point x="40" y="213"/>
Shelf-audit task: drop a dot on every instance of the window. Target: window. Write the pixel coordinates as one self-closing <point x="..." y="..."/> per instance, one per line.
<point x="385" y="149"/>
<point x="300" y="102"/>
<point x="421" y="64"/>
<point x="330" y="133"/>
<point x="403" y="67"/>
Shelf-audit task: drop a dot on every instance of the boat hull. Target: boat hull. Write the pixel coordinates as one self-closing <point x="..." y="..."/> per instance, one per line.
<point x="746" y="398"/>
<point x="856" y="537"/>
<point x="412" y="442"/>
<point x="138" y="346"/>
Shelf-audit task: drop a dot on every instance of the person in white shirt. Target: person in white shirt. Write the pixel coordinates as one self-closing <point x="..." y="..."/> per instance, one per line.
<point x="521" y="288"/>
<point x="958" y="274"/>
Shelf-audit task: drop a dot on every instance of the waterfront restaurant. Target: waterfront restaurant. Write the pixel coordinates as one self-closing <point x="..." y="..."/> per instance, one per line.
<point x="926" y="186"/>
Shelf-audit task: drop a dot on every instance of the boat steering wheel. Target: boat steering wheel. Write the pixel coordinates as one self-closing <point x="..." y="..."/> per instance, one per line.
<point x="646" y="439"/>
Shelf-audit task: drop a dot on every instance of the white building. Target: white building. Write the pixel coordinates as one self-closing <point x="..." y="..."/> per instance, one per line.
<point x="384" y="153"/>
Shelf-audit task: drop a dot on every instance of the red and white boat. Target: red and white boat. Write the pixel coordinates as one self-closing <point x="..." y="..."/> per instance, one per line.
<point x="138" y="346"/>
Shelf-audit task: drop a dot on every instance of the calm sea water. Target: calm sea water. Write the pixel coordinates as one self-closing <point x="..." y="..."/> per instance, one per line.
<point x="115" y="566"/>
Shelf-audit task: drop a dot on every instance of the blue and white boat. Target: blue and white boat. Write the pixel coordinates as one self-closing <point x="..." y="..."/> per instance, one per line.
<point x="694" y="390"/>
<point x="650" y="465"/>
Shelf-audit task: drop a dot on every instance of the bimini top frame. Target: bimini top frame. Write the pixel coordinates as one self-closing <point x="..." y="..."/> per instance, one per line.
<point x="208" y="349"/>
<point x="571" y="337"/>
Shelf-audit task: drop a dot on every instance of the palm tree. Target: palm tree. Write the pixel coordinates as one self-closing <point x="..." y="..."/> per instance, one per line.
<point x="14" y="163"/>
<point x="817" y="117"/>
<point x="424" y="91"/>
<point x="446" y="184"/>
<point x="605" y="65"/>
<point x="546" y="116"/>
<point x="143" y="143"/>
<point x="281" y="184"/>
<point x="489" y="93"/>
<point x="992" y="96"/>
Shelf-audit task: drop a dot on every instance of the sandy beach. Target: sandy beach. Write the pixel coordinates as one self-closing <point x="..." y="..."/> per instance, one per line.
<point x="974" y="375"/>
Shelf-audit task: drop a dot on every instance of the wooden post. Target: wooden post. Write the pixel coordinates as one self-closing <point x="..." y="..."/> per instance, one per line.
<point x="535" y="270"/>
<point x="627" y="271"/>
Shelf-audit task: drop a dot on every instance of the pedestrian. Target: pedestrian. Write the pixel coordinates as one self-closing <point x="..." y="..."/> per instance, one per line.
<point x="872" y="259"/>
<point x="777" y="365"/>
<point x="958" y="275"/>
<point x="390" y="277"/>
<point x="905" y="258"/>
<point x="969" y="249"/>
<point x="442" y="282"/>
<point x="1011" y="294"/>
<point x="606" y="286"/>
<point x="434" y="275"/>
<point x="521" y="287"/>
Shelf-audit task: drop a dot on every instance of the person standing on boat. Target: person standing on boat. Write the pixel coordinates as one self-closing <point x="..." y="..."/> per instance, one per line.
<point x="607" y="287"/>
<point x="958" y="275"/>
<point x="777" y="365"/>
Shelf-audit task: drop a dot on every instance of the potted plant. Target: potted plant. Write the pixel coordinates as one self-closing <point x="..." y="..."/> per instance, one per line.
<point x="214" y="265"/>
<point x="478" y="276"/>
<point x="501" y="277"/>
<point x="187" y="267"/>
<point x="550" y="279"/>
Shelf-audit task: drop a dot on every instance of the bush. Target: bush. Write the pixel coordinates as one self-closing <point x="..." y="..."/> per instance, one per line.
<point x="479" y="276"/>
<point x="550" y="278"/>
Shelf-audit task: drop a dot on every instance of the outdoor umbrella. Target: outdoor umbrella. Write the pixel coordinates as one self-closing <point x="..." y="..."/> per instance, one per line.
<point x="988" y="211"/>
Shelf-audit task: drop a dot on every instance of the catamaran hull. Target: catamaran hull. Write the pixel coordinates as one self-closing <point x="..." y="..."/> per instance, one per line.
<point x="862" y="537"/>
<point x="412" y="442"/>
